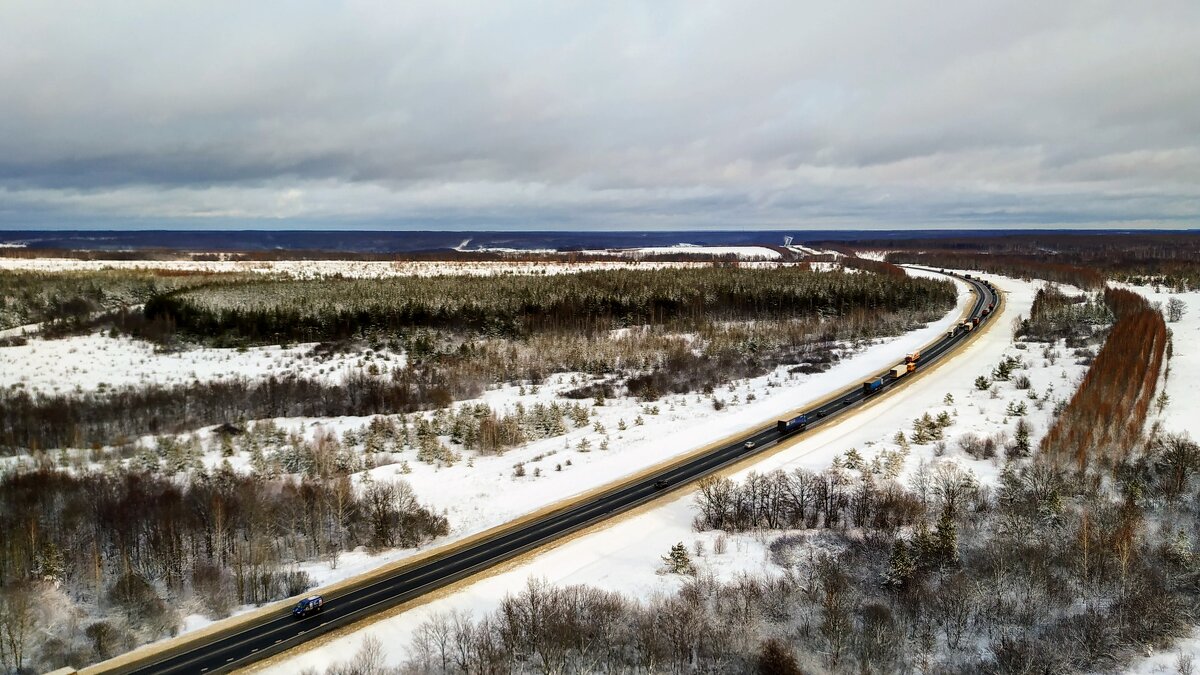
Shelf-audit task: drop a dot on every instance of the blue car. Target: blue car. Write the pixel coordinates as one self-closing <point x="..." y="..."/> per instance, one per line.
<point x="308" y="606"/>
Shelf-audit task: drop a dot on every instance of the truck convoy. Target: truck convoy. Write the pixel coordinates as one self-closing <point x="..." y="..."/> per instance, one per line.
<point x="877" y="383"/>
<point x="785" y="427"/>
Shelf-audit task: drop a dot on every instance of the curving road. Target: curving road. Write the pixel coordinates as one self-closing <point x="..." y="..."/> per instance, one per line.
<point x="225" y="652"/>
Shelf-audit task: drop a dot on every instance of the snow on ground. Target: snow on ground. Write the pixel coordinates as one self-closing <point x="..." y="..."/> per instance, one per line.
<point x="694" y="249"/>
<point x="1183" y="381"/>
<point x="625" y="555"/>
<point x="372" y="269"/>
<point x="91" y="362"/>
<point x="1169" y="661"/>
<point x="799" y="248"/>
<point x="1183" y="388"/>
<point x="484" y="492"/>
<point x="832" y="267"/>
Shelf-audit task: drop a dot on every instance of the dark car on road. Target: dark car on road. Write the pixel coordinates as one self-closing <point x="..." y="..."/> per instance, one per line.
<point x="308" y="606"/>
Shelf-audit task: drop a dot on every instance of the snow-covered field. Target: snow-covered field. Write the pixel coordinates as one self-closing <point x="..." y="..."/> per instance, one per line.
<point x="750" y="252"/>
<point x="91" y="362"/>
<point x="625" y="555"/>
<point x="317" y="269"/>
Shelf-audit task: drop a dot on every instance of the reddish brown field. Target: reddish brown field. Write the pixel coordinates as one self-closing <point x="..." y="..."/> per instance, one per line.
<point x="1106" y="415"/>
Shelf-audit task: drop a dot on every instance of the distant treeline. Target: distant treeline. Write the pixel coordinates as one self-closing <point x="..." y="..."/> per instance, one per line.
<point x="1008" y="265"/>
<point x="260" y="312"/>
<point x="1172" y="259"/>
<point x="38" y="422"/>
<point x="438" y="255"/>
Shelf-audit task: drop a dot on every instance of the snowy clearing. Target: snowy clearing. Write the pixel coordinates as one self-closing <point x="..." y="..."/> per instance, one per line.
<point x="751" y="252"/>
<point x="318" y="269"/>
<point x="92" y="362"/>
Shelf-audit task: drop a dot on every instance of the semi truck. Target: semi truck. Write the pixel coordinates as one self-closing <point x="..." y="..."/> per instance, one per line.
<point x="913" y="357"/>
<point x="872" y="385"/>
<point x="799" y="423"/>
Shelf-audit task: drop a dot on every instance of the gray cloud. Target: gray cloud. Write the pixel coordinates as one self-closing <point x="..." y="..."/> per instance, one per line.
<point x="678" y="114"/>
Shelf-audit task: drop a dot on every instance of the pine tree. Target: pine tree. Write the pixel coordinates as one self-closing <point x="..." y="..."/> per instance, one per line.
<point x="945" y="540"/>
<point x="901" y="566"/>
<point x="1021" y="446"/>
<point x="258" y="461"/>
<point x="922" y="548"/>
<point x="678" y="561"/>
<point x="854" y="460"/>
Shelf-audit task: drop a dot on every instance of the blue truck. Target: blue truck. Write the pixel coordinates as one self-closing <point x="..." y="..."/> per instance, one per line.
<point x="793" y="425"/>
<point x="308" y="606"/>
<point x="872" y="385"/>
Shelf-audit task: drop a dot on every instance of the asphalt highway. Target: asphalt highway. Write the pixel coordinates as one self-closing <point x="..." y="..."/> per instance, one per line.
<point x="228" y="651"/>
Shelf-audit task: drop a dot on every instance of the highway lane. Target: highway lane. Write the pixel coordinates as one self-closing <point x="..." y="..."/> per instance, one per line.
<point x="225" y="652"/>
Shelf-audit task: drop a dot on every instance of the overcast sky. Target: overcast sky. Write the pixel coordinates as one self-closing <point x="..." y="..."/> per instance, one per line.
<point x="608" y="115"/>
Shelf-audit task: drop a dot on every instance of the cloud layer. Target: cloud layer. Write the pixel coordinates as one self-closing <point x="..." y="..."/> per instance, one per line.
<point x="613" y="115"/>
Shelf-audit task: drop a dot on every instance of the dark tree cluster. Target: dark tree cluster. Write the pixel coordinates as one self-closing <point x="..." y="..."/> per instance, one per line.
<point x="520" y="305"/>
<point x="45" y="421"/>
<point x="1058" y="316"/>
<point x="138" y="546"/>
<point x="1020" y="267"/>
<point x="1169" y="259"/>
<point x="69" y="299"/>
<point x="803" y="500"/>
